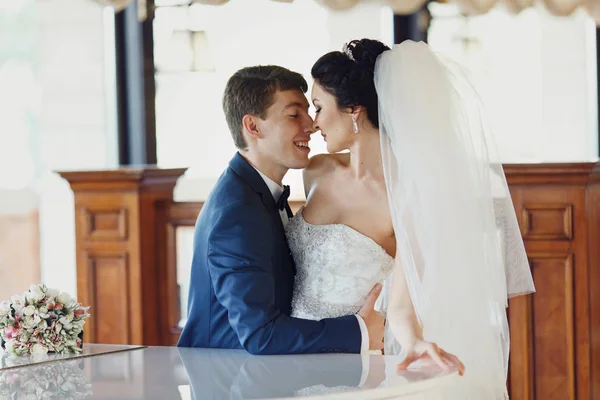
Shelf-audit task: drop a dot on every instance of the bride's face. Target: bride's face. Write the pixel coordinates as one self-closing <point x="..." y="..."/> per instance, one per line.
<point x="335" y="125"/>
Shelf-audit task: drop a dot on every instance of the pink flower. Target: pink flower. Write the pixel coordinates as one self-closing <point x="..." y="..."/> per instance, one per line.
<point x="10" y="332"/>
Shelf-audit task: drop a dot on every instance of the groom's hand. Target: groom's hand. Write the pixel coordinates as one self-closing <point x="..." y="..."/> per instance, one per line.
<point x="374" y="320"/>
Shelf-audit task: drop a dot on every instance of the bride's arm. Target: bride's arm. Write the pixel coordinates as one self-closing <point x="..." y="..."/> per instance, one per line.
<point x="401" y="314"/>
<point x="405" y="327"/>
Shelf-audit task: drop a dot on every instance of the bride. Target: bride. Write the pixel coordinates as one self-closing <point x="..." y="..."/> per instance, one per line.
<point x="417" y="203"/>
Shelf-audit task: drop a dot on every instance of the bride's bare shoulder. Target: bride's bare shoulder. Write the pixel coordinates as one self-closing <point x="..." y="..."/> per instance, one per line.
<point x="322" y="165"/>
<point x="326" y="162"/>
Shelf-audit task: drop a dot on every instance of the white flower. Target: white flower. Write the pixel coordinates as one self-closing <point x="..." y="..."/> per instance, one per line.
<point x="19" y="350"/>
<point x="43" y="312"/>
<point x="29" y="322"/>
<point x="29" y="310"/>
<point x="43" y="324"/>
<point x="36" y="358"/>
<point x="18" y="303"/>
<point x="36" y="293"/>
<point x="78" y="324"/>
<point x="17" y="298"/>
<point x="4" y="308"/>
<point x="64" y="298"/>
<point x="34" y="287"/>
<point x="52" y="292"/>
<point x="9" y="345"/>
<point x="38" y="349"/>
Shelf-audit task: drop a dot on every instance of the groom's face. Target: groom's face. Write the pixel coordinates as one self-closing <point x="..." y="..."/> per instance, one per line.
<point x="286" y="129"/>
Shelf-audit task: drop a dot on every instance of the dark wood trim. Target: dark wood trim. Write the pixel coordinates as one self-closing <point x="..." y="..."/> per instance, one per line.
<point x="184" y="214"/>
<point x="598" y="84"/>
<point x="177" y="215"/>
<point x="551" y="173"/>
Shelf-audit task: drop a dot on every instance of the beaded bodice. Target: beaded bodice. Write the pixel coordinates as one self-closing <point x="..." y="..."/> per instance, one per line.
<point x="337" y="267"/>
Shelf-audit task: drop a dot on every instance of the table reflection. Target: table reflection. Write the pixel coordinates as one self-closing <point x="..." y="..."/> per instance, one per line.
<point x="179" y="373"/>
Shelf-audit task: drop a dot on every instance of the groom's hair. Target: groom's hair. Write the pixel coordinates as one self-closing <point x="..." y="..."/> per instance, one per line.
<point x="251" y="90"/>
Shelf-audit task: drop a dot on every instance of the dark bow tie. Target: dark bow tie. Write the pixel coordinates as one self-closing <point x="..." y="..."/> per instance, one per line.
<point x="282" y="202"/>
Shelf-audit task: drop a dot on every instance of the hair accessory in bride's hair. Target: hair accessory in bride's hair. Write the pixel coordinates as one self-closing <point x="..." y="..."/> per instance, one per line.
<point x="347" y="51"/>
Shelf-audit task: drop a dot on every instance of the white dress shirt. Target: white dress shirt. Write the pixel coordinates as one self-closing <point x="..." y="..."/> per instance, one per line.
<point x="276" y="190"/>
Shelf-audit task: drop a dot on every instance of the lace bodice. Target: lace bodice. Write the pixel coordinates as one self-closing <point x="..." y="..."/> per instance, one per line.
<point x="337" y="267"/>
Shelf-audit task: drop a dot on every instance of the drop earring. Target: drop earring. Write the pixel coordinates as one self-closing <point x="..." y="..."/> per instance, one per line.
<point x="355" y="124"/>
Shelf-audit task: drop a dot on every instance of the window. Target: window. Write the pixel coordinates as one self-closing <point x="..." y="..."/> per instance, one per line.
<point x="536" y="73"/>
<point x="56" y="113"/>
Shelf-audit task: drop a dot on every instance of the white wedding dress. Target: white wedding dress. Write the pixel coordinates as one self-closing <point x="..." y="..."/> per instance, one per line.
<point x="337" y="267"/>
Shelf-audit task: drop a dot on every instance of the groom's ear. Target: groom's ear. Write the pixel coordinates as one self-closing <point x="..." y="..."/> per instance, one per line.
<point x="250" y="126"/>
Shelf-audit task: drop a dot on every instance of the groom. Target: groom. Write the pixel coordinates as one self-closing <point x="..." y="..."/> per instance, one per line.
<point x="242" y="270"/>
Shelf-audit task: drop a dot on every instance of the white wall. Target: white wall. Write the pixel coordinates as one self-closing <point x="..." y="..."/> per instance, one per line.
<point x="537" y="75"/>
<point x="53" y="116"/>
<point x="76" y="128"/>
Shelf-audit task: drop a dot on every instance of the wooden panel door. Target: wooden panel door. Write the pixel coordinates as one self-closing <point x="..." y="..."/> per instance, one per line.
<point x="550" y="329"/>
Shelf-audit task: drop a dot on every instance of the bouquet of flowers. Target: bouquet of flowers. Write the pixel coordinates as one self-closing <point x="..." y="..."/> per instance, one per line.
<point x="65" y="380"/>
<point x="42" y="320"/>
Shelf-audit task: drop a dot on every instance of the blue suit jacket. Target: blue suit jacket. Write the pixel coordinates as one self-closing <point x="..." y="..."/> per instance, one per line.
<point x="243" y="274"/>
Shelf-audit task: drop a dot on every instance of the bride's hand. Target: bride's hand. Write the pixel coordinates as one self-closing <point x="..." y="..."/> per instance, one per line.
<point x="431" y="353"/>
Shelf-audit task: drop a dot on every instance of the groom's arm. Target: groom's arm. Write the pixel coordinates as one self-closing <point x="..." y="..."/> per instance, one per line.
<point x="241" y="270"/>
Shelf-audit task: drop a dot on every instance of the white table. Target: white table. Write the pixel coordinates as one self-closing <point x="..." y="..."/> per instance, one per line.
<point x="124" y="372"/>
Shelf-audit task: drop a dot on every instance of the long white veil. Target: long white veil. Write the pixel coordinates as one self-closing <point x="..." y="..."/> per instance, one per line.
<point x="456" y="229"/>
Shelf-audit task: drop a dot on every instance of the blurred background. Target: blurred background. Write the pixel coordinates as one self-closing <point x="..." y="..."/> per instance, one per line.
<point x="92" y="84"/>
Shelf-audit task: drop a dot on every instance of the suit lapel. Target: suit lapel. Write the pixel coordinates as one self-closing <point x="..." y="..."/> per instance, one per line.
<point x="256" y="182"/>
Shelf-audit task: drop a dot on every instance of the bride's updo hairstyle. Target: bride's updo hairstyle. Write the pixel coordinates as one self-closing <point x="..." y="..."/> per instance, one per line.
<point x="348" y="75"/>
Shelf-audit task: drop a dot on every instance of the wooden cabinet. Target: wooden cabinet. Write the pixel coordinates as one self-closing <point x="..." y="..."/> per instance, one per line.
<point x="126" y="260"/>
<point x="555" y="332"/>
<point x="120" y="219"/>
